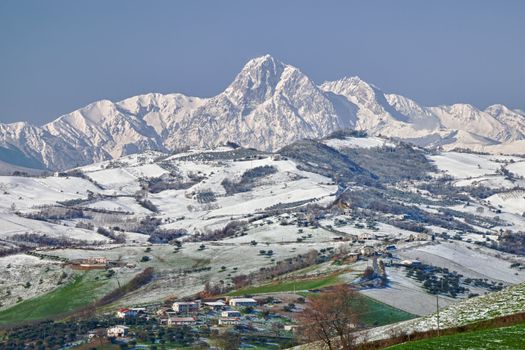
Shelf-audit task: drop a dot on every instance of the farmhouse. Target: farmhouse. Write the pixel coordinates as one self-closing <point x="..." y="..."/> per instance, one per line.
<point x="291" y="327"/>
<point x="367" y="250"/>
<point x="181" y="321"/>
<point x="410" y="262"/>
<point x="92" y="263"/>
<point x="366" y="236"/>
<point x="133" y="312"/>
<point x="123" y="313"/>
<point x="242" y="302"/>
<point x="117" y="332"/>
<point x="163" y="311"/>
<point x="351" y="258"/>
<point x="96" y="260"/>
<point x="215" y="305"/>
<point x="186" y="306"/>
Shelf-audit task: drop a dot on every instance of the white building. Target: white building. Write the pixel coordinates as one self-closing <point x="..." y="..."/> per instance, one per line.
<point x="291" y="327"/>
<point x="410" y="262"/>
<point x="242" y="302"/>
<point x="367" y="250"/>
<point x="132" y="312"/>
<point x="186" y="306"/>
<point x="215" y="305"/>
<point x="181" y="321"/>
<point x="230" y="313"/>
<point x="118" y="331"/>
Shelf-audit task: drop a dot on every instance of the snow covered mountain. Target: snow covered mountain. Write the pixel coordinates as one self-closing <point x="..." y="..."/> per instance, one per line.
<point x="268" y="105"/>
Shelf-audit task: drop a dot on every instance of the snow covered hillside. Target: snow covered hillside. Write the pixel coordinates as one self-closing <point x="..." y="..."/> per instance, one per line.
<point x="186" y="191"/>
<point x="458" y="214"/>
<point x="268" y="105"/>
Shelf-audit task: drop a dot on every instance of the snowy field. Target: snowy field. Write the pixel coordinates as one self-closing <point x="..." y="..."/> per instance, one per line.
<point x="12" y="224"/>
<point x="470" y="168"/>
<point x="125" y="180"/>
<point x="511" y="201"/>
<point x="403" y="293"/>
<point x="24" y="276"/>
<point x="467" y="259"/>
<point x="288" y="185"/>
<point x="28" y="192"/>
<point x="357" y="142"/>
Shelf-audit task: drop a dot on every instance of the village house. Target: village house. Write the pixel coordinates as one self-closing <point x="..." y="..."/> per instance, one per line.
<point x="230" y="313"/>
<point x="92" y="262"/>
<point x="163" y="311"/>
<point x="410" y="262"/>
<point x="242" y="302"/>
<point x="366" y="236"/>
<point x="186" y="306"/>
<point x="123" y="313"/>
<point x="181" y="321"/>
<point x="215" y="305"/>
<point x="291" y="327"/>
<point x="367" y="250"/>
<point x="421" y="236"/>
<point x="96" y="260"/>
<point x="117" y="332"/>
<point x="132" y="312"/>
<point x="351" y="258"/>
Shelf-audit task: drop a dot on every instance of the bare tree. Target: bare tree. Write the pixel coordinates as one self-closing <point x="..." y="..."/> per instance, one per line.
<point x="227" y="341"/>
<point x="332" y="318"/>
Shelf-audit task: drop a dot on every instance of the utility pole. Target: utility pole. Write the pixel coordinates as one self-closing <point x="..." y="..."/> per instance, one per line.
<point x="437" y="309"/>
<point x="437" y="305"/>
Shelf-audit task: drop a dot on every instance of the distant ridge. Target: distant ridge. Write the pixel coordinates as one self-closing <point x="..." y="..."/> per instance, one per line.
<point x="268" y="105"/>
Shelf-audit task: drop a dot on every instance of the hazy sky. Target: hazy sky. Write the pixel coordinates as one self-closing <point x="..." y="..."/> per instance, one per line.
<point x="57" y="56"/>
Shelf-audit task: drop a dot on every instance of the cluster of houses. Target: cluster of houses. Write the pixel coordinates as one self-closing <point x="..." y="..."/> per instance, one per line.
<point x="185" y="313"/>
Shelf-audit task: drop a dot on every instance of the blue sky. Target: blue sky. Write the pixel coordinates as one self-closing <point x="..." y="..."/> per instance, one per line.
<point x="57" y="56"/>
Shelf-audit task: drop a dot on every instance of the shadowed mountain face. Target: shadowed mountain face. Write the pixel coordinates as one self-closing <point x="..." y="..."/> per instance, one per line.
<point x="268" y="105"/>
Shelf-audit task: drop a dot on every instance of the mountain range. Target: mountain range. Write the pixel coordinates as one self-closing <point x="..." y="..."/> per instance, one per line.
<point x="268" y="105"/>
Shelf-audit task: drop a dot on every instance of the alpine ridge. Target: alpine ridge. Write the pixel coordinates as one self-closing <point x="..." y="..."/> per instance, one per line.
<point x="268" y="105"/>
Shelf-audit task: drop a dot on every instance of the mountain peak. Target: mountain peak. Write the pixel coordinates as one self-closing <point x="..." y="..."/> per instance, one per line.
<point x="497" y="109"/>
<point x="261" y="60"/>
<point x="261" y="65"/>
<point x="256" y="81"/>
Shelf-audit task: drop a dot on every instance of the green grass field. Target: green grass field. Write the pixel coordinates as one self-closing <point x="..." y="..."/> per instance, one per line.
<point x="380" y="314"/>
<point x="288" y="286"/>
<point x="80" y="291"/>
<point x="375" y="314"/>
<point x="506" y="338"/>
